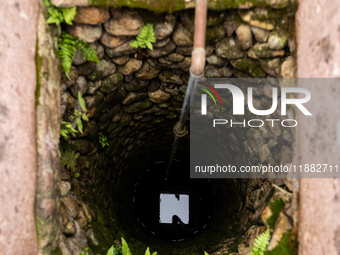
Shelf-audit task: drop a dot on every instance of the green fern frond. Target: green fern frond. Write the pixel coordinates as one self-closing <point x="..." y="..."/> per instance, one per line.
<point x="134" y="44"/>
<point x="58" y="15"/>
<point x="47" y="3"/>
<point x="67" y="48"/>
<point x="147" y="252"/>
<point x="88" y="52"/>
<point x="125" y="248"/>
<point x="114" y="250"/>
<point x="69" y="14"/>
<point x="68" y="159"/>
<point x="260" y="243"/>
<point x="55" y="16"/>
<point x="67" y="44"/>
<point x="145" y="38"/>
<point x="66" y="52"/>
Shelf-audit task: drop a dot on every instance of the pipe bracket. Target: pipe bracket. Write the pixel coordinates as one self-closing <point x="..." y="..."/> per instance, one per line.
<point x="180" y="133"/>
<point x="198" y="62"/>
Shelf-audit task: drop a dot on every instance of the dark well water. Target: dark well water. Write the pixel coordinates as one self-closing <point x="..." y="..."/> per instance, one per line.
<point x="175" y="208"/>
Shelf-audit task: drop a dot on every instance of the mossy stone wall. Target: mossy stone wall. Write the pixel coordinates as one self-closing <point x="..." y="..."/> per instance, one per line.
<point x="136" y="112"/>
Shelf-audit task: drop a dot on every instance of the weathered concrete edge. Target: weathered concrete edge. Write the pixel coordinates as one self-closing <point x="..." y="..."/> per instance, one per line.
<point x="318" y="54"/>
<point x="17" y="126"/>
<point x="171" y="5"/>
<point x="47" y="135"/>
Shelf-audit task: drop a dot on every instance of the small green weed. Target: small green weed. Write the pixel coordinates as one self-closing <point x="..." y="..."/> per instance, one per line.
<point x="103" y="140"/>
<point x="86" y="251"/>
<point x="66" y="128"/>
<point x="78" y="115"/>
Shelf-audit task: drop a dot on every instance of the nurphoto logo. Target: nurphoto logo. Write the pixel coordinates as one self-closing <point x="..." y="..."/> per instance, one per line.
<point x="239" y="105"/>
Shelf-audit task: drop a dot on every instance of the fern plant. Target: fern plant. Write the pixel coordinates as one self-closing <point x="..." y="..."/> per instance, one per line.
<point x="59" y="15"/>
<point x="125" y="250"/>
<point x="145" y="38"/>
<point x="67" y="48"/>
<point x="68" y="159"/>
<point x="260" y="243"/>
<point x="147" y="252"/>
<point x="67" y="44"/>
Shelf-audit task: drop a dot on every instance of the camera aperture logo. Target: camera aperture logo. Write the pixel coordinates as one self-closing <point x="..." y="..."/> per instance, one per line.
<point x="239" y="106"/>
<point x="204" y="96"/>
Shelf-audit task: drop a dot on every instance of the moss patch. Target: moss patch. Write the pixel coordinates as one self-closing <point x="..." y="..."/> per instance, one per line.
<point x="153" y="5"/>
<point x="293" y="241"/>
<point x="111" y="127"/>
<point x="214" y="34"/>
<point x="283" y="248"/>
<point x="39" y="62"/>
<point x="177" y="5"/>
<point x="57" y="251"/>
<point x="275" y="207"/>
<point x="145" y="104"/>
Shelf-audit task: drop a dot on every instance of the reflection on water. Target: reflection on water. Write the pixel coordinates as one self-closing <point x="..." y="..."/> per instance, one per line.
<point x="174" y="208"/>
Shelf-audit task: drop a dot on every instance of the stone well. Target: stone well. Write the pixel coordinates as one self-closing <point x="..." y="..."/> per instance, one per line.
<point x="134" y="99"/>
